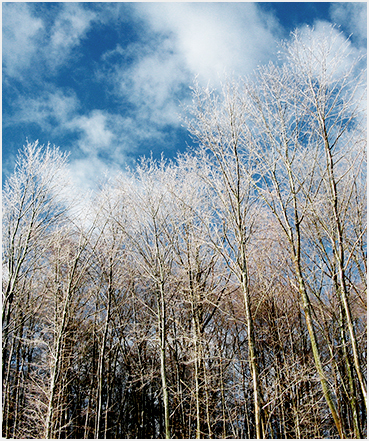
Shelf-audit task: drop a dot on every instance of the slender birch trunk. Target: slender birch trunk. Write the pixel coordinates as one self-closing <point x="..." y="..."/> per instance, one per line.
<point x="197" y="382"/>
<point x="295" y="241"/>
<point x="351" y="393"/>
<point x="102" y="355"/>
<point x="338" y="249"/>
<point x="55" y="372"/>
<point x="60" y="337"/>
<point x="252" y="358"/>
<point x="162" y="343"/>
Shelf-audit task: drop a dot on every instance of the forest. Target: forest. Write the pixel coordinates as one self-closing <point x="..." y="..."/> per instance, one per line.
<point x="221" y="294"/>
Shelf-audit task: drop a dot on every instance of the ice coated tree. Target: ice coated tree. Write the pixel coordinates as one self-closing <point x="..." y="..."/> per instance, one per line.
<point x="198" y="268"/>
<point x="33" y="207"/>
<point x="334" y="99"/>
<point x="221" y="130"/>
<point x="300" y="113"/>
<point x="286" y="138"/>
<point x="148" y="231"/>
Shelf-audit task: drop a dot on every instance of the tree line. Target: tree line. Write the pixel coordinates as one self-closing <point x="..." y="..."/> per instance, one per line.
<point x="218" y="295"/>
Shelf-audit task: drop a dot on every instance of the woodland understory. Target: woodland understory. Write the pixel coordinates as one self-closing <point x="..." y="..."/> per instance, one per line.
<point x="218" y="295"/>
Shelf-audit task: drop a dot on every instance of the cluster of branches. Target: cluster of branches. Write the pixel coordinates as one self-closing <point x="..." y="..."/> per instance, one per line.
<point x="218" y="296"/>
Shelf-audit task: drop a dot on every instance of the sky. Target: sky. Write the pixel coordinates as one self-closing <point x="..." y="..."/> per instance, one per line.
<point x="108" y="82"/>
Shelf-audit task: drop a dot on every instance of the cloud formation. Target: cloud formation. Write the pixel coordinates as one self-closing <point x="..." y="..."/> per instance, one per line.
<point x="153" y="82"/>
<point x="353" y="17"/>
<point x="51" y="110"/>
<point x="70" y="26"/>
<point x="21" y="37"/>
<point x="215" y="38"/>
<point x="38" y="40"/>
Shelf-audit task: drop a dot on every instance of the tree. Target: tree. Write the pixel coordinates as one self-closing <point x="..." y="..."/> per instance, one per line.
<point x="111" y="271"/>
<point x="220" y="128"/>
<point x="289" y="107"/>
<point x="334" y="100"/>
<point x="199" y="273"/>
<point x="34" y="207"/>
<point x="148" y="233"/>
<point x="71" y="263"/>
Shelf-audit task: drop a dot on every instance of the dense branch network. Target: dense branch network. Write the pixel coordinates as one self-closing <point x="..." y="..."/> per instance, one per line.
<point x="218" y="295"/>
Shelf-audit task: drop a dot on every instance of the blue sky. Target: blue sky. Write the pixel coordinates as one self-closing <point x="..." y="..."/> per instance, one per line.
<point x="106" y="81"/>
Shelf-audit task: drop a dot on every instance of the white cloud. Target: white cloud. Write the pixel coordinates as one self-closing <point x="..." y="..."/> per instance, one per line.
<point x="95" y="135"/>
<point x="214" y="38"/>
<point x="98" y="132"/>
<point x="49" y="110"/>
<point x="180" y="41"/>
<point x="154" y="82"/>
<point x="27" y="38"/>
<point x="352" y="16"/>
<point x="110" y="136"/>
<point x="70" y="26"/>
<point x="20" y="37"/>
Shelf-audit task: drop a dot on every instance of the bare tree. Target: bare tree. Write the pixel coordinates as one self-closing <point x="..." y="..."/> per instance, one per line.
<point x="334" y="98"/>
<point x="71" y="266"/>
<point x="291" y="140"/>
<point x="146" y="203"/>
<point x="34" y="205"/>
<point x="199" y="272"/>
<point x="220" y="128"/>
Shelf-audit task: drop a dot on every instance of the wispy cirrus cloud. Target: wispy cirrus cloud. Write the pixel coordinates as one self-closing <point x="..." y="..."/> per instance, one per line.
<point x="22" y="33"/>
<point x="41" y="41"/>
<point x="69" y="28"/>
<point x="49" y="109"/>
<point x="153" y="83"/>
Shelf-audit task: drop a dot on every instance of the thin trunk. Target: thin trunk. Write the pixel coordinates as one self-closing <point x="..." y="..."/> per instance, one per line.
<point x="162" y="337"/>
<point x="91" y="391"/>
<point x="206" y="389"/>
<point x="240" y="222"/>
<point x="106" y="411"/>
<point x="102" y="357"/>
<point x="295" y="242"/>
<point x="252" y="358"/>
<point x="352" y="393"/>
<point x="338" y="248"/>
<point x="55" y="372"/>
<point x="7" y="400"/>
<point x="222" y="400"/>
<point x="19" y="371"/>
<point x="197" y="390"/>
<point x="197" y="355"/>
<point x="86" y="428"/>
<point x="296" y="409"/>
<point x="314" y="346"/>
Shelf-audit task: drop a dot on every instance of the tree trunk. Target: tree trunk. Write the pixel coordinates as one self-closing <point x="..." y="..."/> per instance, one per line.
<point x="338" y="248"/>
<point x="162" y="343"/>
<point x="102" y="355"/>
<point x="314" y="346"/>
<point x="252" y="358"/>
